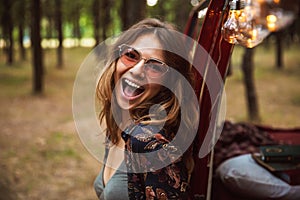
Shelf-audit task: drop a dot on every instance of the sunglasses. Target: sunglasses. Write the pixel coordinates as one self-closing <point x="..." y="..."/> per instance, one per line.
<point x="154" y="68"/>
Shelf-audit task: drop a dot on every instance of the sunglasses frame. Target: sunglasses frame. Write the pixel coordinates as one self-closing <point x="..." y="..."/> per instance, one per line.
<point x="121" y="54"/>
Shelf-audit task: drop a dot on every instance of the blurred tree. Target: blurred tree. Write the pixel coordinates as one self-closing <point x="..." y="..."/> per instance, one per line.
<point x="101" y="18"/>
<point x="38" y="69"/>
<point x="182" y="9"/>
<point x="248" y="77"/>
<point x="48" y="15"/>
<point x="72" y="14"/>
<point x="105" y="17"/>
<point x="7" y="29"/>
<point x="132" y="11"/>
<point x="288" y="34"/>
<point x="20" y="19"/>
<point x="279" y="37"/>
<point x="59" y="30"/>
<point x="76" y="21"/>
<point x="96" y="8"/>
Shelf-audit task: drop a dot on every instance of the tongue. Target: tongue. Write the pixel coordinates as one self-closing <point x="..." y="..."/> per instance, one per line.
<point x="130" y="91"/>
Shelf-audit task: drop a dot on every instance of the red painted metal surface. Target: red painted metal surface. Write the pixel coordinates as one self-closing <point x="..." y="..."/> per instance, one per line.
<point x="219" y="52"/>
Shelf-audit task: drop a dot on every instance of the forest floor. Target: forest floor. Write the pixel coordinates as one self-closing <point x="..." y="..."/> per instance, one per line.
<point x="41" y="155"/>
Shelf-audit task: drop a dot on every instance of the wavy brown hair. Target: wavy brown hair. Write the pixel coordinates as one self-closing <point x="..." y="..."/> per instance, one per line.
<point x="168" y="101"/>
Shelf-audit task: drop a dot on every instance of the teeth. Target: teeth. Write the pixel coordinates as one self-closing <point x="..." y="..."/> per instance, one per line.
<point x="132" y="84"/>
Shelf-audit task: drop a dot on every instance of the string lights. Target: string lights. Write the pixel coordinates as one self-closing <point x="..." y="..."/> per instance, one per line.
<point x="250" y="21"/>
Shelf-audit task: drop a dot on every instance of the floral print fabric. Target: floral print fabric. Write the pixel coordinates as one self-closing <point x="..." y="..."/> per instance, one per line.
<point x="146" y="148"/>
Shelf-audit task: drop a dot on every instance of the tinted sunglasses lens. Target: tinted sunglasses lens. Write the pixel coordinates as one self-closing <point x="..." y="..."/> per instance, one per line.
<point x="155" y="68"/>
<point x="129" y="56"/>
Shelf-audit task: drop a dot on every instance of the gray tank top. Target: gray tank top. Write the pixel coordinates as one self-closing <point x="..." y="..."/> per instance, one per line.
<point x="116" y="188"/>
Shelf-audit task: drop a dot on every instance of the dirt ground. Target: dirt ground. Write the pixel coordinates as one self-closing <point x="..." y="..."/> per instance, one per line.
<point x="43" y="159"/>
<point x="41" y="155"/>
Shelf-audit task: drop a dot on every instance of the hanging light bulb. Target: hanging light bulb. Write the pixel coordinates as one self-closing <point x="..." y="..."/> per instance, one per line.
<point x="250" y="32"/>
<point x="252" y="35"/>
<point x="241" y="26"/>
<point x="271" y="22"/>
<point x="231" y="26"/>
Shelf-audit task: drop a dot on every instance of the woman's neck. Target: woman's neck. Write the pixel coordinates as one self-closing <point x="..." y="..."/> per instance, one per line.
<point x="126" y="119"/>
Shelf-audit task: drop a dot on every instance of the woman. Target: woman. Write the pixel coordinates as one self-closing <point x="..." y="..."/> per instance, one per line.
<point x="149" y="113"/>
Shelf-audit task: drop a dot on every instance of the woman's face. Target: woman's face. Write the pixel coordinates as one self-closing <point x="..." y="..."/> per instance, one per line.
<point x="133" y="85"/>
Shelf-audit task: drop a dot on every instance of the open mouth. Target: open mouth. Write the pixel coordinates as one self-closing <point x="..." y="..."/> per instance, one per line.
<point x="131" y="89"/>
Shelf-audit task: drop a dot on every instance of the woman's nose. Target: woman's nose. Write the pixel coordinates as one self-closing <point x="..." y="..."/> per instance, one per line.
<point x="138" y="69"/>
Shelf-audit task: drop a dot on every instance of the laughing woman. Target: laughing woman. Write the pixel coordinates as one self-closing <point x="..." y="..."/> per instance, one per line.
<point x="150" y="116"/>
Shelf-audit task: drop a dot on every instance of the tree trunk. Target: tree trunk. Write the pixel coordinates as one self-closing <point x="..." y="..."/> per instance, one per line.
<point x="76" y="25"/>
<point x="182" y="15"/>
<point x="49" y="14"/>
<point x="7" y="25"/>
<point x="21" y="44"/>
<point x="58" y="22"/>
<point x="10" y="48"/>
<point x="105" y="7"/>
<point x="96" y="17"/>
<point x="279" y="50"/>
<point x="248" y="73"/>
<point x="132" y="12"/>
<point x="20" y="22"/>
<point x="76" y="31"/>
<point x="124" y="6"/>
<point x="38" y="70"/>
